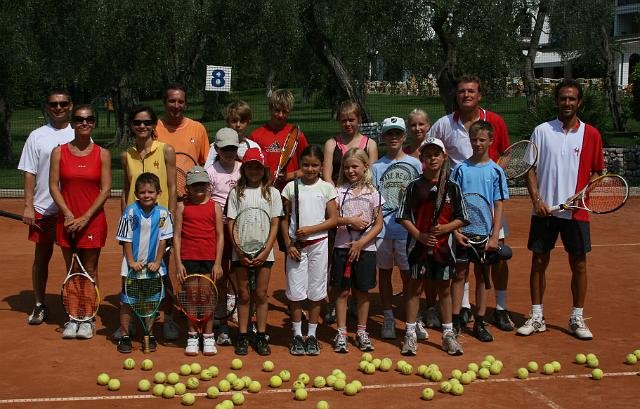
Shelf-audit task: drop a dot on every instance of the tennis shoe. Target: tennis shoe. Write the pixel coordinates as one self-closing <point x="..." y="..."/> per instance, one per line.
<point x="170" y="329"/>
<point x="85" y="330"/>
<point x="261" y="344"/>
<point x="421" y="331"/>
<point x="223" y="336"/>
<point x="242" y="345"/>
<point x="311" y="346"/>
<point x="388" y="330"/>
<point x="209" y="346"/>
<point x="297" y="346"/>
<point x="340" y="343"/>
<point x="532" y="325"/>
<point x="70" y="330"/>
<point x="153" y="344"/>
<point x="450" y="344"/>
<point x="432" y="319"/>
<point x="502" y="320"/>
<point x="124" y="345"/>
<point x="410" y="344"/>
<point x="232" y="311"/>
<point x="119" y="333"/>
<point x="579" y="329"/>
<point x="38" y="315"/>
<point x="481" y="332"/>
<point x="363" y="341"/>
<point x="193" y="345"/>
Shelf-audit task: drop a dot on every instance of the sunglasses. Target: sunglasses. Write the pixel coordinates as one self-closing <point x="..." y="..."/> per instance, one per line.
<point x="80" y="119"/>
<point x="55" y="104"/>
<point x="145" y="122"/>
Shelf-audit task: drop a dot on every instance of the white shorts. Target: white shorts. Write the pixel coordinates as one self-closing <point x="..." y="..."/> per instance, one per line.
<point x="307" y="279"/>
<point x="390" y="250"/>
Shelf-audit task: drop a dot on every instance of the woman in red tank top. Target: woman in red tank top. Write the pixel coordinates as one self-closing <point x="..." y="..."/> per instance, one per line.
<point x="80" y="182"/>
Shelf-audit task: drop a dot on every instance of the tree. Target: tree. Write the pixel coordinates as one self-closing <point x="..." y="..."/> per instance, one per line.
<point x="528" y="75"/>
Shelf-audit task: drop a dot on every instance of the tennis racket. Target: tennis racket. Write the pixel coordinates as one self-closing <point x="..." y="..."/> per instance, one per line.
<point x="604" y="194"/>
<point x="393" y="183"/>
<point x="16" y="216"/>
<point x="356" y="206"/>
<point x="250" y="231"/>
<point x="288" y="149"/>
<point x="184" y="162"/>
<point x="479" y="229"/>
<point x="197" y="298"/>
<point x="80" y="295"/>
<point x="144" y="291"/>
<point x="441" y="192"/>
<point x="518" y="159"/>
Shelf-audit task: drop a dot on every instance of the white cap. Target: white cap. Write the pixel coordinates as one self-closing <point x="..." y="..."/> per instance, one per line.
<point x="433" y="141"/>
<point x="393" y="122"/>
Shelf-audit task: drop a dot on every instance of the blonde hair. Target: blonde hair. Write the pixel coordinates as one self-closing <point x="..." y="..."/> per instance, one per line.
<point x="362" y="156"/>
<point x="265" y="184"/>
<point x="416" y="112"/>
<point x="348" y="107"/>
<point x="281" y="100"/>
<point x="238" y="109"/>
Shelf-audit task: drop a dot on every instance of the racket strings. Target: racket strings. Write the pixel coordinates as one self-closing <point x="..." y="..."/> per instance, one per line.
<point x="518" y="159"/>
<point x="144" y="295"/>
<point x="359" y="206"/>
<point x="480" y="218"/>
<point x="608" y="194"/>
<point x="251" y="230"/>
<point x="80" y="297"/>
<point x="393" y="183"/>
<point x="198" y="297"/>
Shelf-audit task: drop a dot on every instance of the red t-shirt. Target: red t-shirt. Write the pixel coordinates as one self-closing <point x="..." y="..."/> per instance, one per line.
<point x="500" y="134"/>
<point x="198" y="238"/>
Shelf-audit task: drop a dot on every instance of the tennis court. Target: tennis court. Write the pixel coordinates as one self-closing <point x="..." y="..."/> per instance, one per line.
<point x="39" y="369"/>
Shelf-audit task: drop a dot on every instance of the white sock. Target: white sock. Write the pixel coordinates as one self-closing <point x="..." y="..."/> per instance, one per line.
<point x="501" y="300"/>
<point x="388" y="314"/>
<point x="311" y="332"/>
<point x="537" y="310"/>
<point x="576" y="312"/>
<point x="465" y="296"/>
<point x="297" y="328"/>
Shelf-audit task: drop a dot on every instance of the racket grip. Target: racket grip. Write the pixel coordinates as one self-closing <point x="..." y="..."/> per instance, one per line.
<point x="556" y="207"/>
<point x="486" y="276"/>
<point x="347" y="270"/>
<point x="145" y="345"/>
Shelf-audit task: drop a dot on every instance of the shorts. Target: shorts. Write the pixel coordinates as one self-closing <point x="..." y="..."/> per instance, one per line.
<point x="363" y="271"/>
<point x="307" y="278"/>
<point x="166" y="290"/>
<point x="390" y="251"/>
<point x="431" y="269"/>
<point x="544" y="231"/>
<point x="203" y="267"/>
<point x="47" y="232"/>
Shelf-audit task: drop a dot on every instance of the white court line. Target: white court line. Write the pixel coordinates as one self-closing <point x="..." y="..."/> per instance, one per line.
<point x="288" y="390"/>
<point x="541" y="397"/>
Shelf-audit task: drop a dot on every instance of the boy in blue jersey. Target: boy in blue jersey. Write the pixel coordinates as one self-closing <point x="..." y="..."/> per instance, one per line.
<point x="143" y="230"/>
<point x="478" y="174"/>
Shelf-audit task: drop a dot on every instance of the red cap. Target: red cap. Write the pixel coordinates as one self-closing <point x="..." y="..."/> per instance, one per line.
<point x="253" y="154"/>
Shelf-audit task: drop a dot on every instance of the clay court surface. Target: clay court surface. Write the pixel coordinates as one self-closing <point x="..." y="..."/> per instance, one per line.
<point x="39" y="369"/>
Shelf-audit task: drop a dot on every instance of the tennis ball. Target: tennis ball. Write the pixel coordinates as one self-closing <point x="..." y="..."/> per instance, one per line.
<point x="185" y="369"/>
<point x="188" y="399"/>
<point x="339" y="384"/>
<point x="236" y="363"/>
<point x="495" y="368"/>
<point x="336" y="372"/>
<point x="206" y="375"/>
<point x="490" y="358"/>
<point x="238" y="384"/>
<point x="350" y="389"/>
<point x="305" y="378"/>
<point x="268" y="366"/>
<point x="254" y="387"/>
<point x="297" y="384"/>
<point x="358" y="385"/>
<point x="376" y="362"/>
<point x="466" y="378"/>
<point x="523" y="373"/>
<point x="343" y="376"/>
<point x="159" y="377"/>
<point x="224" y="385"/>
<point x="196" y="368"/>
<point x="113" y="384"/>
<point x="366" y="357"/>
<point x="193" y="383"/>
<point x="362" y="365"/>
<point x="231" y="377"/>
<point x="445" y="386"/>
<point x="227" y="404"/>
<point x="103" y="379"/>
<point x="593" y="363"/>
<point x="457" y="389"/>
<point x="173" y="378"/>
<point x="548" y="369"/>
<point x="406" y="370"/>
<point x="456" y="373"/>
<point x="129" y="363"/>
<point x="275" y="381"/>
<point x="422" y="369"/>
<point x="597" y="374"/>
<point x="436" y="375"/>
<point x="533" y="366"/>
<point x="473" y="367"/>
<point x="213" y="392"/>
<point x="214" y="371"/>
<point x="453" y="381"/>
<point x="472" y="374"/>
<point x="371" y="368"/>
<point x="144" y="385"/>
<point x="285" y="375"/>
<point x="146" y="365"/>
<point x="556" y="366"/>
<point x="427" y="394"/>
<point x="637" y="353"/>
<point x="158" y="389"/>
<point x="237" y="398"/>
<point x="301" y="394"/>
<point x="631" y="359"/>
<point x="591" y="356"/>
<point x="180" y="388"/>
<point x="247" y="380"/>
<point x="484" y="373"/>
<point x="386" y="364"/>
<point x="323" y="404"/>
<point x="581" y="359"/>
<point x="169" y="392"/>
<point x="400" y="364"/>
<point x="485" y="364"/>
<point x="319" y="382"/>
<point x="331" y="380"/>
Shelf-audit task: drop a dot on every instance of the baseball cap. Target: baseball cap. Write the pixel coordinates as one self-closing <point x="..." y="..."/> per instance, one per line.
<point x="197" y="174"/>
<point x="433" y="141"/>
<point x="226" y="137"/>
<point x="393" y="122"/>
<point x="253" y="154"/>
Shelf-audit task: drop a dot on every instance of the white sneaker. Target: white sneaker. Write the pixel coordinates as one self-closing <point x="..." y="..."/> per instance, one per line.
<point x="410" y="344"/>
<point x="85" y="330"/>
<point x="208" y="346"/>
<point x="421" y="331"/>
<point x="532" y="325"/>
<point x="450" y="344"/>
<point x="193" y="345"/>
<point x="70" y="330"/>
<point x="579" y="329"/>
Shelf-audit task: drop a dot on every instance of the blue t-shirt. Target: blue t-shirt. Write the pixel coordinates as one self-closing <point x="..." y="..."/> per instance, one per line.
<point x="391" y="229"/>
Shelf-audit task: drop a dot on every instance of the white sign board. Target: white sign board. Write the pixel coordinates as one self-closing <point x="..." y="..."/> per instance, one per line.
<point x="218" y="78"/>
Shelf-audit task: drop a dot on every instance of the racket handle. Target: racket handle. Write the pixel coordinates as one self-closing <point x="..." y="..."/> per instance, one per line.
<point x="556" y="208"/>
<point x="486" y="276"/>
<point x="145" y="345"/>
<point x="347" y="270"/>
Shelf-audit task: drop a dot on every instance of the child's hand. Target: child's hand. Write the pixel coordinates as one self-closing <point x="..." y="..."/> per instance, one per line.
<point x="461" y="239"/>
<point x="153" y="266"/>
<point x="357" y="222"/>
<point x="216" y="272"/>
<point x="181" y="272"/>
<point x="303" y="232"/>
<point x="354" y="250"/>
<point x="492" y="244"/>
<point x="293" y="252"/>
<point x="136" y="266"/>
<point x="541" y="208"/>
<point x="244" y="260"/>
<point x="260" y="258"/>
<point x="427" y="239"/>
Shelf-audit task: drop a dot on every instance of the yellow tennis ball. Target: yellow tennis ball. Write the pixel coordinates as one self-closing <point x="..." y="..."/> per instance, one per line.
<point x="523" y="373"/>
<point x="214" y="371"/>
<point x="129" y="363"/>
<point x="285" y="375"/>
<point x="457" y="389"/>
<point x="472" y="374"/>
<point x="268" y="366"/>
<point x="490" y="358"/>
<point x="169" y="392"/>
<point x="305" y="378"/>
<point x="254" y="387"/>
<point x="331" y="380"/>
<point x="319" y="382"/>
<point x="385" y="364"/>
<point x="495" y="368"/>
<point x="581" y="359"/>
<point x="593" y="362"/>
<point x="323" y="404"/>
<point x="231" y="377"/>
<point x="224" y="385"/>
<point x="369" y="368"/>
<point x="188" y="399"/>
<point x="532" y="366"/>
<point x="236" y="364"/>
<point x="339" y="384"/>
<point x="185" y="369"/>
<point x="144" y="385"/>
<point x="237" y="398"/>
<point x="556" y="366"/>
<point x="427" y="394"/>
<point x="336" y="372"/>
<point x="436" y="375"/>
<point x="146" y="365"/>
<point x="297" y="384"/>
<point x="466" y="378"/>
<point x="275" y="381"/>
<point x="484" y="373"/>
<point x="193" y="383"/>
<point x="246" y="379"/>
<point x="173" y="378"/>
<point x="456" y="373"/>
<point x="597" y="374"/>
<point x="548" y="369"/>
<point x="591" y="355"/>
<point x="422" y="369"/>
<point x="180" y="388"/>
<point x="238" y="384"/>
<point x="301" y="394"/>
<point x="158" y="389"/>
<point x="212" y="392"/>
<point x="473" y="367"/>
<point x="631" y="359"/>
<point x="367" y="356"/>
<point x="637" y="353"/>
<point x="445" y="386"/>
<point x="159" y="377"/>
<point x="113" y="384"/>
<point x="350" y="389"/>
<point x="400" y="364"/>
<point x="376" y="362"/>
<point x="196" y="368"/>
<point x="103" y="379"/>
<point x="206" y="375"/>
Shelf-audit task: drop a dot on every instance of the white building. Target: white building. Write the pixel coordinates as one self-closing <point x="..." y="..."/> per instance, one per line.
<point x="626" y="33"/>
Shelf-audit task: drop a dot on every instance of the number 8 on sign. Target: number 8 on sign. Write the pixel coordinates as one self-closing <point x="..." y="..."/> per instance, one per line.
<point x="218" y="78"/>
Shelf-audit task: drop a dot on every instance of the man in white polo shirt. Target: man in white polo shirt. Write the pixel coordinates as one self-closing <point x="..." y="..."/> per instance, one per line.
<point x="569" y="155"/>
<point x="38" y="205"/>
